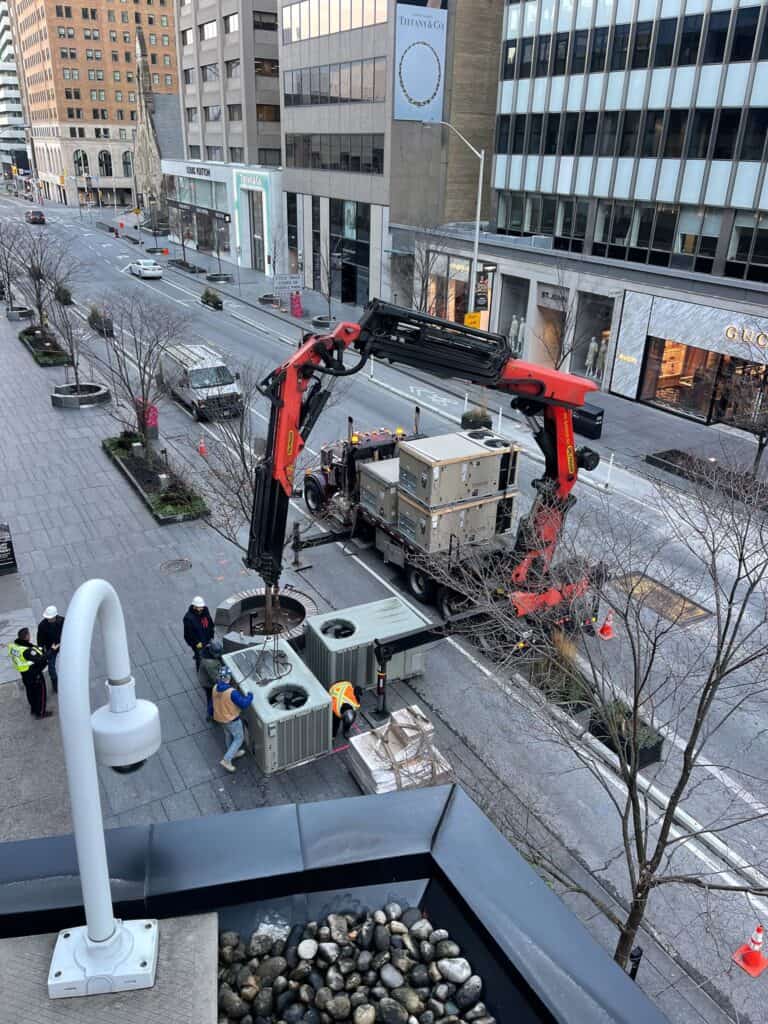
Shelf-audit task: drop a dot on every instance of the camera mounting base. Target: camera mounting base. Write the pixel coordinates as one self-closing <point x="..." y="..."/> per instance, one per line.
<point x="127" y="960"/>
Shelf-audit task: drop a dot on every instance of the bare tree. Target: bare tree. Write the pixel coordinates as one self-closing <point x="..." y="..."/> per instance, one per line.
<point x="558" y="335"/>
<point x="44" y="263"/>
<point x="430" y="284"/>
<point x="11" y="236"/>
<point x="656" y="691"/>
<point x="69" y="328"/>
<point x="131" y="360"/>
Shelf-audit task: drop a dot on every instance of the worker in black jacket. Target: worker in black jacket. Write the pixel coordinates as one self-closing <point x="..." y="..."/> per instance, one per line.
<point x="198" y="627"/>
<point x="49" y="638"/>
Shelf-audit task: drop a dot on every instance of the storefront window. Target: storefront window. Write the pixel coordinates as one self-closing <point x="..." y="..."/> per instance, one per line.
<point x="706" y="385"/>
<point x="449" y="288"/>
<point x="591" y="335"/>
<point x="513" y="311"/>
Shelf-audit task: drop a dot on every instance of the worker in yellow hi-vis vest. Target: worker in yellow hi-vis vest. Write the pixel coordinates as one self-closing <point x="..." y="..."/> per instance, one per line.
<point x="344" y="705"/>
<point x="29" y="661"/>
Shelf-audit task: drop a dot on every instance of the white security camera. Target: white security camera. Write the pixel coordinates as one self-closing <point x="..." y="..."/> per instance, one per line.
<point x="126" y="731"/>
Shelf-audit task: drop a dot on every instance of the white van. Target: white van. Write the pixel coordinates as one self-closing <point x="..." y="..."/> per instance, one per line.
<point x="200" y="378"/>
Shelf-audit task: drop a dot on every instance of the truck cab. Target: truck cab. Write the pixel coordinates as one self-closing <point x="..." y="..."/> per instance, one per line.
<point x="199" y="378"/>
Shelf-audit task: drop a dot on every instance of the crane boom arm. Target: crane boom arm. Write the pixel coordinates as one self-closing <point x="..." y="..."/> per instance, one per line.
<point x="444" y="349"/>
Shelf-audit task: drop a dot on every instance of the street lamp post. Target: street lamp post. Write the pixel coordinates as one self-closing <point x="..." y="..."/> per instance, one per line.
<point x="480" y="154"/>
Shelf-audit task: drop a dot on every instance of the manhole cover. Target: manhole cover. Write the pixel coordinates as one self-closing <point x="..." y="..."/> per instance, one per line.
<point x="661" y="599"/>
<point x="175" y="565"/>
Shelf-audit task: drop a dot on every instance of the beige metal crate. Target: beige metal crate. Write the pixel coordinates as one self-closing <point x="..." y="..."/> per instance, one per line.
<point x="378" y="488"/>
<point x="440" y="529"/>
<point x="442" y="470"/>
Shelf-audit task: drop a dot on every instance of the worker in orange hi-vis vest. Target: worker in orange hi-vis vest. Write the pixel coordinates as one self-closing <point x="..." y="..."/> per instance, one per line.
<point x="344" y="705"/>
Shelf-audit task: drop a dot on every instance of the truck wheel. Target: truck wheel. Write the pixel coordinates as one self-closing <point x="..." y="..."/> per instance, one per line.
<point x="419" y="584"/>
<point x="449" y="602"/>
<point x="314" y="498"/>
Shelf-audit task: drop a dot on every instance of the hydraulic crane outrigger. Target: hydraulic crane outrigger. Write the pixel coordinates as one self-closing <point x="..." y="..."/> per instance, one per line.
<point x="546" y="397"/>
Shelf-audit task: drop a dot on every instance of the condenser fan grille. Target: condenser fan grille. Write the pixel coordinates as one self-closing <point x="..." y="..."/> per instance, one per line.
<point x="288" y="698"/>
<point x="339" y="629"/>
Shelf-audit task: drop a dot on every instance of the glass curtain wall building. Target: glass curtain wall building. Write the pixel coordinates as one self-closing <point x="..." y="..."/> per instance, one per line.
<point x="630" y="197"/>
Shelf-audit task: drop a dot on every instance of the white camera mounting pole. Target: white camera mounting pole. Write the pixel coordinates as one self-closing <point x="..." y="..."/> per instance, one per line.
<point x="106" y="955"/>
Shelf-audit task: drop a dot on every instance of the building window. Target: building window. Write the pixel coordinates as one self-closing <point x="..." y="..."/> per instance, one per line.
<point x="654" y="126"/>
<point x="619" y="47"/>
<point x="588" y="134"/>
<point x="579" y="52"/>
<point x="209" y="72"/>
<point x="609" y="133"/>
<point x="105" y="163"/>
<point x="192" y="117"/>
<point x="194" y="152"/>
<point x="306" y="21"/>
<point x="236" y="154"/>
<point x="542" y="55"/>
<point x="265" y="21"/>
<point x="359" y="154"/>
<point x="187" y="37"/>
<point x="689" y="39"/>
<point x="267" y="112"/>
<point x="744" y="33"/>
<point x="166" y="59"/>
<point x="80" y="159"/>
<point x="701" y="129"/>
<point x="234" y="112"/>
<point x="208" y="30"/>
<point x="127" y="164"/>
<point x="269" y="68"/>
<point x="189" y="76"/>
<point x="169" y="79"/>
<point x="665" y="43"/>
<point x="232" y="68"/>
<point x="642" y="46"/>
<point x="212" y="113"/>
<point x="214" y="153"/>
<point x="599" y="51"/>
<point x="673" y="147"/>
<point x="560" y="54"/>
<point x="231" y="23"/>
<point x="717" y="33"/>
<point x="629" y="132"/>
<point x="270" y="157"/>
<point x="754" y="134"/>
<point x="727" y="131"/>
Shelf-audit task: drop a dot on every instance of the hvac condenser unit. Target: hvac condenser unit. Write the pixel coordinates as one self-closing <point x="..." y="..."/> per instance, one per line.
<point x="289" y="721"/>
<point x="339" y="645"/>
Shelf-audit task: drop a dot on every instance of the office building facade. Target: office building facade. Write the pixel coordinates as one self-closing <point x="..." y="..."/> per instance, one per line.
<point x="631" y="144"/>
<point x="77" y="67"/>
<point x="230" y="99"/>
<point x="357" y="159"/>
<point x="13" y="147"/>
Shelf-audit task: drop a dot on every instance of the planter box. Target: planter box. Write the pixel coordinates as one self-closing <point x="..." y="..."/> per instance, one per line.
<point x="323" y="320"/>
<point x="162" y="520"/>
<point x="218" y="278"/>
<point x="65" y="396"/>
<point x="52" y="356"/>
<point x="188" y="268"/>
<point x="268" y="300"/>
<point x="213" y="303"/>
<point x="646" y="755"/>
<point x="475" y="418"/>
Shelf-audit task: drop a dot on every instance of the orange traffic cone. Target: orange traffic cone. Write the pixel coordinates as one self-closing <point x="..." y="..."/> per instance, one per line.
<point x="202" y="450"/>
<point x="606" y="630"/>
<point x="750" y="957"/>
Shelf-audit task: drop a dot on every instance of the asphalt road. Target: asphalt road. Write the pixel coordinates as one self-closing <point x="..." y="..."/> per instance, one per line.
<point x="461" y="684"/>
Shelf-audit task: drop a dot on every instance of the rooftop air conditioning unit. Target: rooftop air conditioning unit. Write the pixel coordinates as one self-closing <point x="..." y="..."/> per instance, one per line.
<point x="289" y="721"/>
<point x="339" y="645"/>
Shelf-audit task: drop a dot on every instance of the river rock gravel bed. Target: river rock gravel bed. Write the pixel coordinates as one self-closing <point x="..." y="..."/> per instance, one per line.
<point x="387" y="967"/>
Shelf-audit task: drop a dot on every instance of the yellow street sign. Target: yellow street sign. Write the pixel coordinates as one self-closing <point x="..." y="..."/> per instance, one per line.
<point x="137" y="211"/>
<point x="472" y="320"/>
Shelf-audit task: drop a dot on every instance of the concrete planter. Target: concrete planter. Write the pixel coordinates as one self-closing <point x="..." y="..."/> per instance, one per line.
<point x="68" y="396"/>
<point x="212" y="301"/>
<point x="218" y="278"/>
<point x="323" y="321"/>
<point x="162" y="520"/>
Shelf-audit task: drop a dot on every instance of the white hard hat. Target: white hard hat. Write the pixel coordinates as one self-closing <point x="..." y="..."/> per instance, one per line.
<point x="50" y="612"/>
<point x="198" y="602"/>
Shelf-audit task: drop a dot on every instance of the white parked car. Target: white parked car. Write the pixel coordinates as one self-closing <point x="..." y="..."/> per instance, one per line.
<point x="146" y="268"/>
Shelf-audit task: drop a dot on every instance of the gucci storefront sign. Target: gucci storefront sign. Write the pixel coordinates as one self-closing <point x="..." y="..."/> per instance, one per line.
<point x="749" y="335"/>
